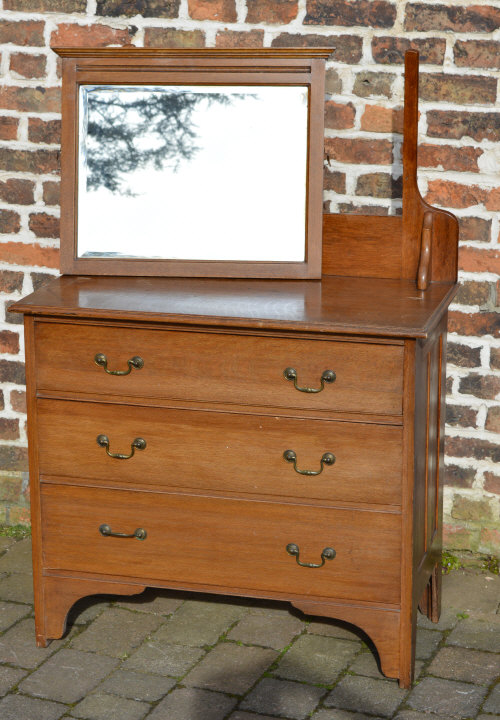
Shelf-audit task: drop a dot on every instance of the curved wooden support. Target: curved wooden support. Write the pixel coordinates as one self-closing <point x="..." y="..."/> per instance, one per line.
<point x="382" y="626"/>
<point x="424" y="265"/>
<point x="60" y="593"/>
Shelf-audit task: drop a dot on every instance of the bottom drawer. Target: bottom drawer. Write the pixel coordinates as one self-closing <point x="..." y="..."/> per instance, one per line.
<point x="231" y="544"/>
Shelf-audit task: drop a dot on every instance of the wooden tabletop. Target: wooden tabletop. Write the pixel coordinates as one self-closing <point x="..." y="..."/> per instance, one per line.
<point x="365" y="306"/>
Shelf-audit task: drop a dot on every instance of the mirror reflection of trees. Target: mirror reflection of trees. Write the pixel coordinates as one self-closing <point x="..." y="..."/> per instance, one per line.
<point x="131" y="129"/>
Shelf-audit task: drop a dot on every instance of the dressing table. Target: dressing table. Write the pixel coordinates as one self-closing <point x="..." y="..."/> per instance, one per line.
<point x="264" y="428"/>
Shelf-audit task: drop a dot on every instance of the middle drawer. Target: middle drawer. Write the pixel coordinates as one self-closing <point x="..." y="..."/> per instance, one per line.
<point x="223" y="452"/>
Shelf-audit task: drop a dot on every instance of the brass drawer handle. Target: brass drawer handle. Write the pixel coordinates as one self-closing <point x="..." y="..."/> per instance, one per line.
<point x="327" y="459"/>
<point x="327" y="377"/>
<point x="327" y="554"/>
<point x="140" y="533"/>
<point x="135" y="362"/>
<point x="139" y="443"/>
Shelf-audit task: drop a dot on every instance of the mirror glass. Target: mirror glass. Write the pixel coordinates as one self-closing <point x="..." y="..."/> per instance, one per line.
<point x="193" y="172"/>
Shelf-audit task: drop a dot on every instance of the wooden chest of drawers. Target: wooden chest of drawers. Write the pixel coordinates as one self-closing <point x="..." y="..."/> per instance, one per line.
<point x="191" y="457"/>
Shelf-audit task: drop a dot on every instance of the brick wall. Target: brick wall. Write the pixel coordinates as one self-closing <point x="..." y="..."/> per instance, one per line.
<point x="459" y="160"/>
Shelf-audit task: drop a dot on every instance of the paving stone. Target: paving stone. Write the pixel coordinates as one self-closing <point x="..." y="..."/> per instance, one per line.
<point x="471" y="592"/>
<point x="340" y="715"/>
<point x="412" y="715"/>
<point x="193" y="704"/>
<point x="316" y="659"/>
<point x="116" y="632"/>
<point x="6" y="542"/>
<point x="230" y="668"/>
<point x="68" y="676"/>
<point x="87" y="609"/>
<point x="199" y="623"/>
<point x="366" y="664"/>
<point x="335" y="628"/>
<point x="19" y="707"/>
<point x="153" y="601"/>
<point x="282" y="697"/>
<point x="446" y="697"/>
<point x="377" y="697"/>
<point x="492" y="704"/>
<point x="17" y="587"/>
<point x="163" y="659"/>
<point x="17" y="559"/>
<point x="488" y="717"/>
<point x="11" y="613"/>
<point x="18" y="647"/>
<point x="474" y="666"/>
<point x="102" y="706"/>
<point x="239" y="715"/>
<point x="9" y="678"/>
<point x="267" y="630"/>
<point x="137" y="686"/>
<point x="447" y="620"/>
<point x="476" y="634"/>
<point x="427" y="642"/>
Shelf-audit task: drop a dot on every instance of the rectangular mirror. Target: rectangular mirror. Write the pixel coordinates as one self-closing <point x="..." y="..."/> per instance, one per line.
<point x="191" y="167"/>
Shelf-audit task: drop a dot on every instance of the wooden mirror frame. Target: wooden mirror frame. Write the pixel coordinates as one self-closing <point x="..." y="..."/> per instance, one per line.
<point x="152" y="66"/>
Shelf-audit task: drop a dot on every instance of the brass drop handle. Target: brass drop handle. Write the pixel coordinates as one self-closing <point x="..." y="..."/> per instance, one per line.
<point x="327" y="377"/>
<point x="134" y="362"/>
<point x="139" y="443"/>
<point x="327" y="459"/>
<point x="140" y="533"/>
<point x="327" y="554"/>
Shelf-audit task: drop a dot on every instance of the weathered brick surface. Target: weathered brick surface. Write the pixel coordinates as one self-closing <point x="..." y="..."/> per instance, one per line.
<point x="24" y="32"/>
<point x="391" y="50"/>
<point x="17" y="192"/>
<point x="339" y="116"/>
<point x="28" y="66"/>
<point x="271" y="11"/>
<point x="236" y="39"/>
<point x="8" y="127"/>
<point x="457" y="124"/>
<point x="431" y="17"/>
<point x="221" y="10"/>
<point x="146" y="8"/>
<point x="374" y="13"/>
<point x="168" y="37"/>
<point x="345" y="48"/>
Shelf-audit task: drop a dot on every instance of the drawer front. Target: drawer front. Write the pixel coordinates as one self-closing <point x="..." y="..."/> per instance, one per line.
<point x="220" y="368"/>
<point x="222" y="451"/>
<point x="225" y="543"/>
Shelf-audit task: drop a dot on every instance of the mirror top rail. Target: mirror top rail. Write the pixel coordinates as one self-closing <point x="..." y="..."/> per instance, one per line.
<point x="130" y="51"/>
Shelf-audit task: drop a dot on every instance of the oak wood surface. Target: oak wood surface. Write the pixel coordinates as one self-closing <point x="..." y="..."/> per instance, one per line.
<point x="234" y="543"/>
<point x="220" y="368"/>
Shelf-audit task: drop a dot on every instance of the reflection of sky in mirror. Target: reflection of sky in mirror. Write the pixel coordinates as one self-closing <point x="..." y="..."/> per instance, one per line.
<point x="240" y="195"/>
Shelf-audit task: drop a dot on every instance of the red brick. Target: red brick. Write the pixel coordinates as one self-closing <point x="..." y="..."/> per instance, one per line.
<point x="2" y="401"/>
<point x="8" y="127"/>
<point x="461" y="89"/>
<point x="391" y="50"/>
<point x="61" y="6"/>
<point x="473" y="259"/>
<point x="477" y="53"/>
<point x="367" y="84"/>
<point x="39" y="279"/>
<point x="447" y="157"/>
<point x="18" y="400"/>
<point x="274" y="12"/>
<point x="379" y="185"/>
<point x="380" y="119"/>
<point x="13" y="458"/>
<point x="493" y="200"/>
<point x="51" y="192"/>
<point x="465" y="508"/>
<point x="334" y="180"/>
<point x="456" y="124"/>
<point x="472" y="447"/>
<point x="359" y="151"/>
<point x="453" y="194"/>
<point x="12" y="372"/>
<point x="366" y="13"/>
<point x="130" y="8"/>
<point x="461" y="416"/>
<point x="170" y="38"/>
<point x="10" y="281"/>
<point x="489" y="538"/>
<point x="236" y="39"/>
<point x="474" y="229"/>
<point x="339" y="116"/>
<point x="221" y="10"/>
<point x="44" y="225"/>
<point x="495" y="358"/>
<point x="73" y="35"/>
<point x="482" y="323"/>
<point x="493" y="418"/>
<point x="17" y="192"/>
<point x="351" y="209"/>
<point x="456" y="476"/>
<point x="9" y="428"/>
<point x="345" y="48"/>
<point x="36" y="161"/>
<point x="10" y="317"/>
<point x="10" y="222"/>
<point x="486" y="387"/>
<point x="457" y="537"/>
<point x="333" y="82"/>
<point x="44" y="131"/>
<point x="16" y="253"/>
<point x="28" y="66"/>
<point x="28" y="99"/>
<point x="463" y="355"/>
<point x="25" y="32"/>
<point x="474" y="293"/>
<point x="492" y="483"/>
<point x="434" y="17"/>
<point x="9" y="342"/>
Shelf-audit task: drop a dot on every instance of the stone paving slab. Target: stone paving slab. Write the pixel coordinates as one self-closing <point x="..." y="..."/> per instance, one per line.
<point x="456" y="663"/>
<point x="446" y="697"/>
<point x="102" y="706"/>
<point x="17" y="646"/>
<point x="282" y="697"/>
<point x="138" y="686"/>
<point x="193" y="704"/>
<point x="480" y="634"/>
<point x="198" y="623"/>
<point x="17" y="558"/>
<point x="116" y="632"/>
<point x="20" y="707"/>
<point x="376" y="697"/>
<point x="10" y="613"/>
<point x="316" y="659"/>
<point x="268" y="630"/>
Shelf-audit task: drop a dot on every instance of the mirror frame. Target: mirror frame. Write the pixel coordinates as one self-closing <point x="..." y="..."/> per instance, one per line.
<point x="156" y="66"/>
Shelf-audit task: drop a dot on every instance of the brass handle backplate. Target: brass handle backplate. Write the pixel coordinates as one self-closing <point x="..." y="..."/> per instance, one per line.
<point x="327" y="377"/>
<point x="327" y="459"/>
<point x="327" y="554"/>
<point x="134" y="362"/>
<point x="139" y="533"/>
<point x="138" y="443"/>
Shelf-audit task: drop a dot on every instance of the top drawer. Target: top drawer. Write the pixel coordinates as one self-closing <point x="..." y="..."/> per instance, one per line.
<point x="220" y="368"/>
